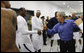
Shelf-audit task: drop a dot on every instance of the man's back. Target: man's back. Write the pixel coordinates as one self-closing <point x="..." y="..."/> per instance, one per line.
<point x="8" y="30"/>
<point x="52" y="22"/>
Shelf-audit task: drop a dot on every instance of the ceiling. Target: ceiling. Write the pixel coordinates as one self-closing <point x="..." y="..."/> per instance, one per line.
<point x="68" y="5"/>
<point x="76" y="6"/>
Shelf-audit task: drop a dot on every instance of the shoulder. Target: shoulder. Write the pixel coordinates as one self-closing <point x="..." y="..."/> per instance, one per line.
<point x="34" y="18"/>
<point x="52" y="18"/>
<point x="9" y="11"/>
<point x="57" y="25"/>
<point x="69" y="20"/>
<point x="8" y="14"/>
<point x="20" y="18"/>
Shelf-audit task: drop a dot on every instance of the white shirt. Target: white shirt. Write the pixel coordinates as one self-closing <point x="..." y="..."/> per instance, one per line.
<point x="22" y="34"/>
<point x="37" y="39"/>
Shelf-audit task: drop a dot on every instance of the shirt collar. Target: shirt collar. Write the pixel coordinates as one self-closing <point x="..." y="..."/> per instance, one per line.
<point x="64" y="22"/>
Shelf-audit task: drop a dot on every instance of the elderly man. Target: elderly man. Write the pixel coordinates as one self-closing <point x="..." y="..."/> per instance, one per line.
<point x="65" y="30"/>
<point x="8" y="28"/>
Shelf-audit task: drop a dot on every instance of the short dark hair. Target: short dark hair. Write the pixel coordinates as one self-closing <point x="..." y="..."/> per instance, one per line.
<point x="21" y="8"/>
<point x="42" y="17"/>
<point x="66" y="16"/>
<point x="56" y="12"/>
<point x="69" y="15"/>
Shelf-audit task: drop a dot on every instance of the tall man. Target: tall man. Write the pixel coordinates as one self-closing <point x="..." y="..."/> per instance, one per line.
<point x="8" y="28"/>
<point x="65" y="30"/>
<point x="23" y="40"/>
<point x="37" y="25"/>
<point x="52" y="22"/>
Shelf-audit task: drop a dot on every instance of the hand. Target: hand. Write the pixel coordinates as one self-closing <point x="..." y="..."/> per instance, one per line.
<point x="39" y="32"/>
<point x="44" y="27"/>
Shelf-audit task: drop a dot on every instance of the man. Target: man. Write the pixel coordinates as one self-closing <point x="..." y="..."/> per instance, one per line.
<point x="79" y="23"/>
<point x="44" y="32"/>
<point x="23" y="40"/>
<point x="74" y="16"/>
<point x="65" y="30"/>
<point x="48" y="18"/>
<point x="8" y="28"/>
<point x="37" y="25"/>
<point x="52" y="22"/>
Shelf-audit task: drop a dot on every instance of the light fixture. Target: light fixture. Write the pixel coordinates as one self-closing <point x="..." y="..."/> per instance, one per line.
<point x="80" y="1"/>
<point x="81" y="4"/>
<point x="64" y="3"/>
<point x="68" y="6"/>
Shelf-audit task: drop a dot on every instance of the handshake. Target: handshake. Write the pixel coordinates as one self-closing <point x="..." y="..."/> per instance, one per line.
<point x="40" y="32"/>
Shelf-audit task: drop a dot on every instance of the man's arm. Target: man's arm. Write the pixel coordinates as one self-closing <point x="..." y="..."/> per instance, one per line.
<point x="54" y="30"/>
<point x="25" y="31"/>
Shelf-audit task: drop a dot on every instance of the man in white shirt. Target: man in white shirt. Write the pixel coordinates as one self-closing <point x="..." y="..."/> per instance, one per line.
<point x="23" y="40"/>
<point x="79" y="23"/>
<point x="37" y="25"/>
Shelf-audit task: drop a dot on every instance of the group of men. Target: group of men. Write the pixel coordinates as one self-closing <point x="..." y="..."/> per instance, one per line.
<point x="15" y="36"/>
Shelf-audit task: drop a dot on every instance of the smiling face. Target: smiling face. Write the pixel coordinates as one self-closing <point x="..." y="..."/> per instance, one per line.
<point x="23" y="12"/>
<point x="73" y="15"/>
<point x="60" y="17"/>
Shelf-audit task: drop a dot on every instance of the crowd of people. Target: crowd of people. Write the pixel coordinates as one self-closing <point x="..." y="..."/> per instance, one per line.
<point x="19" y="35"/>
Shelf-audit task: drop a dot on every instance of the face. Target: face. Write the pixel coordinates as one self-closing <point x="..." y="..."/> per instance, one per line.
<point x="38" y="14"/>
<point x="60" y="18"/>
<point x="23" y="12"/>
<point x="73" y="15"/>
<point x="43" y="19"/>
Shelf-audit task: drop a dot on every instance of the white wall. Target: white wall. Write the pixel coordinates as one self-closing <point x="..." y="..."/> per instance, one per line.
<point x="46" y="8"/>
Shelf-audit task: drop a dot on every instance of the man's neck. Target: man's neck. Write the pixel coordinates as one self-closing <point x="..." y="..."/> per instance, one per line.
<point x="62" y="22"/>
<point x="37" y="16"/>
<point x="22" y="15"/>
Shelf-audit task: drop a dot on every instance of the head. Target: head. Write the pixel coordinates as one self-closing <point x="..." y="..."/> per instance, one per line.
<point x="22" y="12"/>
<point x="60" y="17"/>
<point x="5" y="4"/>
<point x="69" y="16"/>
<point x="48" y="17"/>
<point x="38" y="13"/>
<point x="42" y="18"/>
<point x="73" y="15"/>
<point x="55" y="14"/>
